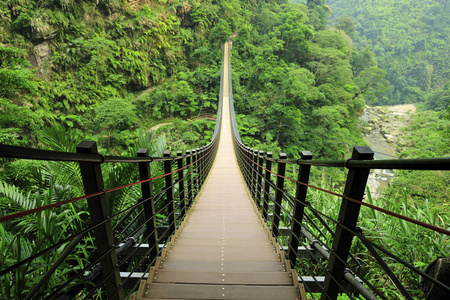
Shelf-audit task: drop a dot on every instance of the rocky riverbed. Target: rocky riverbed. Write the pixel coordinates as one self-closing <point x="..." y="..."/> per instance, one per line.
<point x="383" y="131"/>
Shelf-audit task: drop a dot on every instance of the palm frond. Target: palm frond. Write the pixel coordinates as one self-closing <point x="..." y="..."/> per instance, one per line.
<point x="17" y="200"/>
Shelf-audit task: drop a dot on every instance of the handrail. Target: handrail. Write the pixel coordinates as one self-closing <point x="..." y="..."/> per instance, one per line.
<point x="440" y="163"/>
<point x="49" y="155"/>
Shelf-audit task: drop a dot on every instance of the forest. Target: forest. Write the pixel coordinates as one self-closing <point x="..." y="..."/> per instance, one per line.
<point x="303" y="74"/>
<point x="409" y="40"/>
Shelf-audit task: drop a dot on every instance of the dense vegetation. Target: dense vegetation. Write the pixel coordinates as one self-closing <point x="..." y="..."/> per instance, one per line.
<point x="299" y="85"/>
<point x="409" y="38"/>
<point x="108" y="70"/>
<point x="106" y="67"/>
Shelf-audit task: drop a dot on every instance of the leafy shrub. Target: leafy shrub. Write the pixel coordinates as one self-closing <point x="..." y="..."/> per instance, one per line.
<point x="115" y="114"/>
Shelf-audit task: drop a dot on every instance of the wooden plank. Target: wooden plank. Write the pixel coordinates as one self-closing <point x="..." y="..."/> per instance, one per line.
<point x="194" y="291"/>
<point x="231" y="235"/>
<point x="226" y="257"/>
<point x="227" y="278"/>
<point x="223" y="247"/>
<point x="182" y="242"/>
<point x="180" y="265"/>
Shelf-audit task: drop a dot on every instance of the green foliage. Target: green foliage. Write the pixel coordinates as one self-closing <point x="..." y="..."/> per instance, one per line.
<point x="15" y="76"/>
<point x="185" y="95"/>
<point x="294" y="85"/>
<point x="220" y="33"/>
<point x="115" y="114"/>
<point x="408" y="39"/>
<point x="108" y="50"/>
<point x="190" y="134"/>
<point x="416" y="245"/>
<point x="14" y="117"/>
<point x="427" y="136"/>
<point x="346" y="24"/>
<point x="35" y="233"/>
<point x="438" y="100"/>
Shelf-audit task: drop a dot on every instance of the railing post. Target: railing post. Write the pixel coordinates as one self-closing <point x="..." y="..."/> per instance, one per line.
<point x="195" y="177"/>
<point x="189" y="179"/>
<point x="348" y="216"/>
<point x="278" y="194"/>
<point x="149" y="205"/>
<point x="266" y="197"/>
<point x="250" y="170"/>
<point x="169" y="192"/>
<point x="91" y="174"/>
<point x="260" y="176"/>
<point x="181" y="185"/>
<point x="201" y="166"/>
<point x="247" y="166"/>
<point x="299" y="207"/>
<point x="254" y="169"/>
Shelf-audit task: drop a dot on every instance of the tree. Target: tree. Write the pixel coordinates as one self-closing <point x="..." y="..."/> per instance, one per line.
<point x="346" y="24"/>
<point x="220" y="33"/>
<point x="115" y="114"/>
<point x="439" y="100"/>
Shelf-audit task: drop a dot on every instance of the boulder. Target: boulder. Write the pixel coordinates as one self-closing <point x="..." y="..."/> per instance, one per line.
<point x="440" y="270"/>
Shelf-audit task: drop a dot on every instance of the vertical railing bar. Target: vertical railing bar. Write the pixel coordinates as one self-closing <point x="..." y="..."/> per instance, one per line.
<point x="299" y="207"/>
<point x="149" y="206"/>
<point x="189" y="177"/>
<point x="169" y="192"/>
<point x="279" y="194"/>
<point x="194" y="173"/>
<point x="91" y="174"/>
<point x="181" y="185"/>
<point x="255" y="173"/>
<point x="200" y="168"/>
<point x="267" y="186"/>
<point x="197" y="172"/>
<point x="348" y="216"/>
<point x="248" y="167"/>
<point x="260" y="176"/>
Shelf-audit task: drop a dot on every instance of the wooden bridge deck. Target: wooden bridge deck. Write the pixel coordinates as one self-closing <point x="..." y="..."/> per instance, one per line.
<point x="223" y="249"/>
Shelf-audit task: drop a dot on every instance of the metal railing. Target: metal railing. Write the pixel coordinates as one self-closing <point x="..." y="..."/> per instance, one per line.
<point x="312" y="238"/>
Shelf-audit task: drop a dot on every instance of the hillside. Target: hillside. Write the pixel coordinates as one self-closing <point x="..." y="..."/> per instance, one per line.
<point x="410" y="40"/>
<point x="105" y="66"/>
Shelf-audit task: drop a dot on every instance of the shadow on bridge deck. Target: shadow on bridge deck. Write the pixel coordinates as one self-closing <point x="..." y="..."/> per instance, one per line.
<point x="223" y="249"/>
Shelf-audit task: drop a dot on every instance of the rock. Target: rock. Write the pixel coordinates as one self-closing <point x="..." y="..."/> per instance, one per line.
<point x="440" y="270"/>
<point x="389" y="138"/>
<point x="42" y="59"/>
<point x="40" y="36"/>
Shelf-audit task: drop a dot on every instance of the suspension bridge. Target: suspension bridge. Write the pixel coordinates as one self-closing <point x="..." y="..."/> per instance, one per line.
<point x="230" y="228"/>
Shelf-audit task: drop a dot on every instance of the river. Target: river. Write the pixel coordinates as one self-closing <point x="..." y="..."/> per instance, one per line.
<point x="382" y="134"/>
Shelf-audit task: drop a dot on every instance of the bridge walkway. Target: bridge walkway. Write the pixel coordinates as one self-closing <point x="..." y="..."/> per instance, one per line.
<point x="223" y="249"/>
